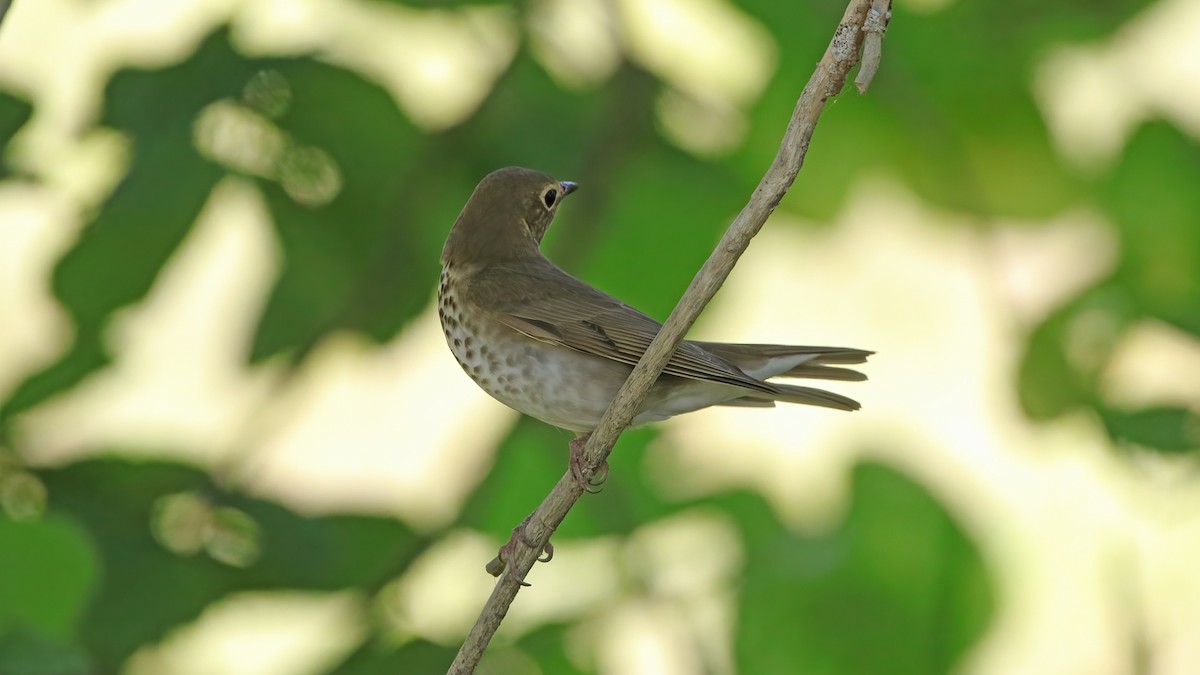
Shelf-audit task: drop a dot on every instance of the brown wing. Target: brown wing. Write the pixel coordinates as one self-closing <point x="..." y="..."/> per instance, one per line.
<point x="544" y="302"/>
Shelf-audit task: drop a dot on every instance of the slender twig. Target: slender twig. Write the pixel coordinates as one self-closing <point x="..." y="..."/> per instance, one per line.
<point x="533" y="534"/>
<point x="875" y="26"/>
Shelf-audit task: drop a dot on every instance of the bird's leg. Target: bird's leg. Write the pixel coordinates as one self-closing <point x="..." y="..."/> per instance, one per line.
<point x="496" y="567"/>
<point x="595" y="483"/>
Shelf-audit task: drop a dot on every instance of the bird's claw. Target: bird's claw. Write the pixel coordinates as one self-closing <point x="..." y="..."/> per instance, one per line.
<point x="593" y="484"/>
<point x="498" y="564"/>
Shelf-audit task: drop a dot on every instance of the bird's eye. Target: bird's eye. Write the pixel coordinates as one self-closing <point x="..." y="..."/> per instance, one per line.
<point x="549" y="197"/>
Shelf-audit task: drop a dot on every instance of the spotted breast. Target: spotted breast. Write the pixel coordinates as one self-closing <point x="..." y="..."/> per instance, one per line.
<point x="554" y="384"/>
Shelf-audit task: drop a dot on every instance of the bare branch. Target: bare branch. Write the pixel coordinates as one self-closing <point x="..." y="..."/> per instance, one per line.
<point x="827" y="80"/>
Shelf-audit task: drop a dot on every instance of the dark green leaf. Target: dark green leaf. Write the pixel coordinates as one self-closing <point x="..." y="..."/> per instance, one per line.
<point x="365" y="259"/>
<point x="49" y="570"/>
<point x="13" y="114"/>
<point x="1165" y="429"/>
<point x="146" y="590"/>
<point x="26" y="652"/>
<point x="532" y="459"/>
<point x="1067" y="353"/>
<point x="413" y="657"/>
<point x="898" y="588"/>
<point x="1152" y="197"/>
<point x="668" y="211"/>
<point x="546" y="647"/>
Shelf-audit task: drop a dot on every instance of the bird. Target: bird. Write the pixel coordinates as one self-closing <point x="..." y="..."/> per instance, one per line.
<point x="550" y="346"/>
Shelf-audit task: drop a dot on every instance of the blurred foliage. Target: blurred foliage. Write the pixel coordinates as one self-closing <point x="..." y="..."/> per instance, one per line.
<point x="897" y="584"/>
<point x="14" y="113"/>
<point x="360" y="198"/>
<point x="96" y="571"/>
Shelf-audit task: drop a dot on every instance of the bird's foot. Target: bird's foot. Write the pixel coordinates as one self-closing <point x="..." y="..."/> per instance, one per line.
<point x="498" y="564"/>
<point x="595" y="483"/>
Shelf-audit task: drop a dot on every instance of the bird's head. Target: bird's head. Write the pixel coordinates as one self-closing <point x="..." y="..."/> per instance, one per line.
<point x="506" y="217"/>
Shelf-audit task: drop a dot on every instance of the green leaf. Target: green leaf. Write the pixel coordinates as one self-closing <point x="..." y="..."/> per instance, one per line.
<point x="49" y="572"/>
<point x="1066" y="354"/>
<point x="1152" y="197"/>
<point x="531" y="460"/>
<point x="25" y="652"/>
<point x="546" y="646"/>
<point x="417" y="656"/>
<point x="14" y="113"/>
<point x="963" y="132"/>
<point x="668" y="211"/>
<point x="364" y="260"/>
<point x="146" y="590"/>
<point x="1165" y="429"/>
<point x="898" y="588"/>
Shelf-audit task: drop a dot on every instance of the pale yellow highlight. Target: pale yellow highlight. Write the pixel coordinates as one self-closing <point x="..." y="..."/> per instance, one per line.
<point x="440" y="595"/>
<point x="691" y="562"/>
<point x="1154" y="364"/>
<point x="703" y="127"/>
<point x="438" y="64"/>
<point x="705" y="47"/>
<point x="35" y="329"/>
<point x="398" y="430"/>
<point x="260" y="632"/>
<point x="576" y="40"/>
<point x="644" y="637"/>
<point x="1093" y="96"/>
<point x="1075" y="250"/>
<point x="715" y="59"/>
<point x="179" y="379"/>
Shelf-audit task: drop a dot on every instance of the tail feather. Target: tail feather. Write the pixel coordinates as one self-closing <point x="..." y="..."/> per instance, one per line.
<point x="790" y="393"/>
<point x="767" y="361"/>
<point x="819" y="372"/>
<point x="735" y="352"/>
<point x="749" y="402"/>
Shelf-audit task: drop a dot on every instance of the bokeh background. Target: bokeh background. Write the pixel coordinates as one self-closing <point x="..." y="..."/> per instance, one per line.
<point x="234" y="443"/>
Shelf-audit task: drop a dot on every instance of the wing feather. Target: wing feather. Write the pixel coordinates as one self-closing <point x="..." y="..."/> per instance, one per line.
<point x="544" y="302"/>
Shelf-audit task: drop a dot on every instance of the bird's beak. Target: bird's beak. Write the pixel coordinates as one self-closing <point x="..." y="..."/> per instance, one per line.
<point x="568" y="187"/>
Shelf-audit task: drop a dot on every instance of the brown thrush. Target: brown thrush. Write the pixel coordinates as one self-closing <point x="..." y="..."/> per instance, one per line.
<point x="548" y="345"/>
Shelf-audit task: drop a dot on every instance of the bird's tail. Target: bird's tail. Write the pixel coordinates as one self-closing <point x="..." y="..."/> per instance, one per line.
<point x="790" y="393"/>
<point x="766" y="361"/>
